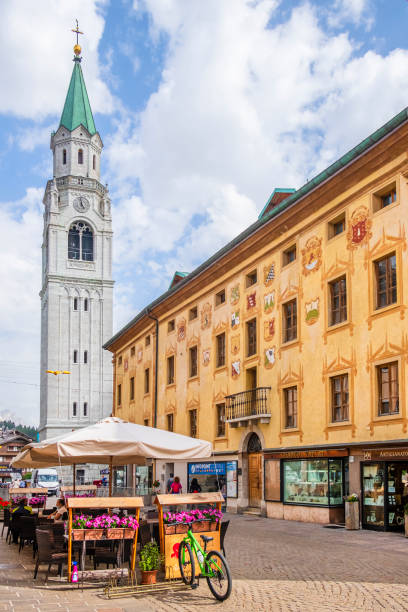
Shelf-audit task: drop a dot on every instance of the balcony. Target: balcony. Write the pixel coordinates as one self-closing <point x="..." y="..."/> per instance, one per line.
<point x="251" y="405"/>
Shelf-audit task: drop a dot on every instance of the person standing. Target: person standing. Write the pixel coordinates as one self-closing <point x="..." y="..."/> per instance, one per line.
<point x="169" y="483"/>
<point x="176" y="487"/>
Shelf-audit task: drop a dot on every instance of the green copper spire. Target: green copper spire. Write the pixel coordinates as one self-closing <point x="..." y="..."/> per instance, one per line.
<point x="77" y="109"/>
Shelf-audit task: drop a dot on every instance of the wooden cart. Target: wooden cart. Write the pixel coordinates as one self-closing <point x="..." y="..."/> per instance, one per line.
<point x="81" y="504"/>
<point x="29" y="492"/>
<point x="169" y="543"/>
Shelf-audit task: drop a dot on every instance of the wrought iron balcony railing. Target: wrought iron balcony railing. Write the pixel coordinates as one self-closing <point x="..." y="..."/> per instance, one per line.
<point x="247" y="405"/>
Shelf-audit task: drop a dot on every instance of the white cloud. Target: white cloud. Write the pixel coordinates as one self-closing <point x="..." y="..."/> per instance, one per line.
<point x="351" y="11"/>
<point x="38" y="44"/>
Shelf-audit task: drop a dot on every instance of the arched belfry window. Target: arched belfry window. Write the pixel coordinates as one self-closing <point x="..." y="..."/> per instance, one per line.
<point x="80" y="156"/>
<point x="64" y="156"/>
<point x="80" y="242"/>
<point x="94" y="162"/>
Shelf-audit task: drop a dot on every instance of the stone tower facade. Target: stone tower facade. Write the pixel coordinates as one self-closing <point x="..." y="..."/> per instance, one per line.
<point x="77" y="286"/>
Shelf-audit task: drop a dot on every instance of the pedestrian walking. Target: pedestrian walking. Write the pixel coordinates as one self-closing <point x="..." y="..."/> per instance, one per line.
<point x="176" y="487"/>
<point x="169" y="483"/>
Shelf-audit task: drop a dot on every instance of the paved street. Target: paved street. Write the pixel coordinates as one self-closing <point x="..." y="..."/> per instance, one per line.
<point x="276" y="565"/>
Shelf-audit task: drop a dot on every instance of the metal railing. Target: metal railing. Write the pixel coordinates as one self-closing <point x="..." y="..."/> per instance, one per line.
<point x="247" y="404"/>
<point x="74" y="181"/>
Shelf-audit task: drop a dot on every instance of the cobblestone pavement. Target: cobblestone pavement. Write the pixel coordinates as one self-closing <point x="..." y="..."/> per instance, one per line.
<point x="276" y="565"/>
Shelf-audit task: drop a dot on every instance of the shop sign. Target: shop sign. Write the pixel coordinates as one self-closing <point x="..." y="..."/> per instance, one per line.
<point x="206" y="468"/>
<point x="310" y="454"/>
<point x="385" y="453"/>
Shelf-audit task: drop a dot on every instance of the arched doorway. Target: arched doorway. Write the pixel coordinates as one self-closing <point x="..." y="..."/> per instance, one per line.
<point x="254" y="450"/>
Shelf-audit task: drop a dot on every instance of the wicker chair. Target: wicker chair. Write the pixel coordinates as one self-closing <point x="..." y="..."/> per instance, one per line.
<point x="47" y="553"/>
<point x="27" y="532"/>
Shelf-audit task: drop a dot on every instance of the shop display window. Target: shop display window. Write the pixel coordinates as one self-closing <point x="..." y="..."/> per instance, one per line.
<point x="397" y="494"/>
<point x="373" y="485"/>
<point x="313" y="481"/>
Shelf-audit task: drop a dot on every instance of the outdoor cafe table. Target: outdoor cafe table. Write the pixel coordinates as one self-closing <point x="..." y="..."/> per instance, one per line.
<point x="81" y="504"/>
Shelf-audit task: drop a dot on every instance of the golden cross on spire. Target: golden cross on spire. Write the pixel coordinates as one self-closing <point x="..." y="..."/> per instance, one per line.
<point x="76" y="31"/>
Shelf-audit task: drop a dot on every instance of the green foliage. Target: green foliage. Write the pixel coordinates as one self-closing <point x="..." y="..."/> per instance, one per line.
<point x="28" y="430"/>
<point x="150" y="557"/>
<point x="27" y="476"/>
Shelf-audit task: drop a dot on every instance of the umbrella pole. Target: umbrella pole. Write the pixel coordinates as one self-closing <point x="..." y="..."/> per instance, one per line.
<point x="110" y="477"/>
<point x="73" y="478"/>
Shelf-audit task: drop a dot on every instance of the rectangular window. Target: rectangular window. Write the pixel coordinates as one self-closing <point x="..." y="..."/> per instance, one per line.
<point x="193" y="313"/>
<point x="386" y="281"/>
<point x="132" y="389"/>
<point x="86" y="304"/>
<point x="85" y="408"/>
<point x="220" y="420"/>
<point x="147" y="380"/>
<point x="132" y="351"/>
<point x="220" y="350"/>
<point x="193" y="365"/>
<point x="290" y="395"/>
<point x="193" y="423"/>
<point x="388" y="392"/>
<point x="338" y="301"/>
<point x="170" y="370"/>
<point x="171" y="326"/>
<point x="337" y="226"/>
<point x="120" y="361"/>
<point x="289" y="255"/>
<point x="75" y="303"/>
<point x="385" y="197"/>
<point x="290" y="321"/>
<point x="147" y="340"/>
<point x="75" y="356"/>
<point x="74" y="409"/>
<point x="119" y="395"/>
<point x="251" y="278"/>
<point x="146" y="422"/>
<point x="339" y="398"/>
<point x="220" y="298"/>
<point x="388" y="198"/>
<point x="169" y="422"/>
<point x="313" y="481"/>
<point x="85" y="356"/>
<point x="251" y="337"/>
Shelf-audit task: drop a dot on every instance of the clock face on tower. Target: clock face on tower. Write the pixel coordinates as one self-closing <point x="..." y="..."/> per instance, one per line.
<point x="81" y="204"/>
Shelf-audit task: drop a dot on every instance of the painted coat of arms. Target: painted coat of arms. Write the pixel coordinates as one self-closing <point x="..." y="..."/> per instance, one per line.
<point x="126" y="365"/>
<point x="235" y="344"/>
<point x="139" y="354"/>
<point x="235" y="319"/>
<point x="312" y="311"/>
<point x="269" y="274"/>
<point x="269" y="301"/>
<point x="206" y="316"/>
<point x="235" y="369"/>
<point x="181" y="330"/>
<point x="251" y="300"/>
<point x="235" y="295"/>
<point x="312" y="255"/>
<point x="269" y="329"/>
<point x="270" y="357"/>
<point x="206" y="357"/>
<point x="359" y="229"/>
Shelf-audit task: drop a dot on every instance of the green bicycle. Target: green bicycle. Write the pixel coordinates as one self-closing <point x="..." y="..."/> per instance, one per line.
<point x="213" y="566"/>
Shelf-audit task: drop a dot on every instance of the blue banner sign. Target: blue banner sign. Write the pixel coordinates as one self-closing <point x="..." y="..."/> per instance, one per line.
<point x="211" y="469"/>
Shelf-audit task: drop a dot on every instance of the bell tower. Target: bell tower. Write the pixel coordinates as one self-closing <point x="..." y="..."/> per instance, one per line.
<point x="77" y="286"/>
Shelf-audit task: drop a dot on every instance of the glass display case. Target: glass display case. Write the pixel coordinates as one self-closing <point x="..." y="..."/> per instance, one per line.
<point x="313" y="481"/>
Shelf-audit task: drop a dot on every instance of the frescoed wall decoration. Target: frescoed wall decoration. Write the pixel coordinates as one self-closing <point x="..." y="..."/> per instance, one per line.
<point x="235" y="319"/>
<point x="235" y="344"/>
<point x="139" y="354"/>
<point x="251" y="300"/>
<point x="269" y="301"/>
<point x="269" y="329"/>
<point x="126" y="365"/>
<point x="270" y="357"/>
<point x="312" y="311"/>
<point x="235" y="369"/>
<point x="269" y="274"/>
<point x="206" y="356"/>
<point x="235" y="295"/>
<point x="312" y="255"/>
<point x="181" y="330"/>
<point x="206" y="316"/>
<point x="359" y="231"/>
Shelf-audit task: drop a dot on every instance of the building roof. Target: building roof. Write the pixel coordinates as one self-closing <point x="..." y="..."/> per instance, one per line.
<point x="8" y="435"/>
<point x="77" y="109"/>
<point x="278" y="195"/>
<point x="267" y="217"/>
<point x="178" y="276"/>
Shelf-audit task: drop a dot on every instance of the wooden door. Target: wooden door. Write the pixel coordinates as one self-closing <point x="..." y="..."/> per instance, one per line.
<point x="254" y="479"/>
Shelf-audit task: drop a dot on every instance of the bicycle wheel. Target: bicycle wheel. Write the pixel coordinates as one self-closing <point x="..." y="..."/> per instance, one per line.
<point x="219" y="580"/>
<point x="186" y="563"/>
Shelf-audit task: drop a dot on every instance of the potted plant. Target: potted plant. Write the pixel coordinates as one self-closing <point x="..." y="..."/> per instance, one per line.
<point x="156" y="487"/>
<point x="352" y="512"/>
<point x="149" y="563"/>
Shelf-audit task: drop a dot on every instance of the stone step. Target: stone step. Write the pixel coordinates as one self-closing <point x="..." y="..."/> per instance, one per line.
<point x="253" y="511"/>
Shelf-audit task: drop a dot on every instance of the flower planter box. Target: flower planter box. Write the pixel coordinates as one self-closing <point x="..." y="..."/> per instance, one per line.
<point x="201" y="526"/>
<point x="214" y="526"/>
<point x="128" y="533"/>
<point x="114" y="533"/>
<point x="182" y="528"/>
<point x="78" y="534"/>
<point x="169" y="529"/>
<point x="94" y="534"/>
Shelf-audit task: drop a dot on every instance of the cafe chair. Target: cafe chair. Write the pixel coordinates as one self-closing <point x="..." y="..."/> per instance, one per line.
<point x="27" y="532"/>
<point x="224" y="527"/>
<point x="46" y="553"/>
<point x="6" y="523"/>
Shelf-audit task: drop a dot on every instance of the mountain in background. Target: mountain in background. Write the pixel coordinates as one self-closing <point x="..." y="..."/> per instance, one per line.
<point x="28" y="430"/>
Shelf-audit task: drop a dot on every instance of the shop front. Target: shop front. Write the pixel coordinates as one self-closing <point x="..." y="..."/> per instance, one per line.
<point x="306" y="485"/>
<point x="214" y="476"/>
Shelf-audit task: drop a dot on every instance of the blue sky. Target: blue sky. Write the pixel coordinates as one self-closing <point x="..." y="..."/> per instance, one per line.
<point x="204" y="108"/>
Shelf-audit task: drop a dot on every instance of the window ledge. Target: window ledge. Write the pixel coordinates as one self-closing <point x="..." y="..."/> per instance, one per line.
<point x="347" y="423"/>
<point x="193" y="378"/>
<point x="331" y="239"/>
<point x="388" y="417"/>
<point x="221" y="439"/>
<point x="171" y="386"/>
<point x="146" y="394"/>
<point x="289" y="430"/>
<point x="338" y="326"/>
<point x="252" y="359"/>
<point x="289" y="344"/>
<point x="385" y="208"/>
<point x="380" y="312"/>
<point x="219" y="369"/>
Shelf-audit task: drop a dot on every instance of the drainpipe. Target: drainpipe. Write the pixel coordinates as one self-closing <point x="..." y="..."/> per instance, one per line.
<point x="156" y="373"/>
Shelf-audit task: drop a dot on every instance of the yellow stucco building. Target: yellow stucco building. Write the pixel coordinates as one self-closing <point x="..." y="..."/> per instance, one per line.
<point x="288" y="348"/>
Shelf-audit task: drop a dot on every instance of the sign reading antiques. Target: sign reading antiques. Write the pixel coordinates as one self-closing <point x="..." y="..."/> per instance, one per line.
<point x="385" y="453"/>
